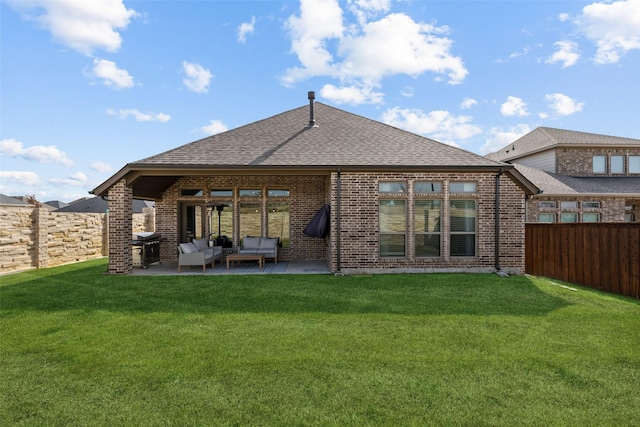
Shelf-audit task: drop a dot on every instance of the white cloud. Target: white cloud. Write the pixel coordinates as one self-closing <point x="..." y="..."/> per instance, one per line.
<point x="214" y="127"/>
<point x="567" y="53"/>
<point x="468" y="103"/>
<point x="563" y="105"/>
<point x="38" y="153"/>
<point x="614" y="27"/>
<point x="100" y="166"/>
<point x="407" y="92"/>
<point x="139" y="116"/>
<point x="514" y="106"/>
<point x="563" y="17"/>
<point x="20" y="178"/>
<point x="197" y="78"/>
<point x="246" y="28"/>
<point x="501" y="137"/>
<point x="111" y="75"/>
<point x="350" y="95"/>
<point x="77" y="179"/>
<point x="440" y="125"/>
<point x="81" y="25"/>
<point x="362" y="54"/>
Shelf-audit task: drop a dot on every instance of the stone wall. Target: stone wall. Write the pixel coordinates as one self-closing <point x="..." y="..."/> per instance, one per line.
<point x="32" y="237"/>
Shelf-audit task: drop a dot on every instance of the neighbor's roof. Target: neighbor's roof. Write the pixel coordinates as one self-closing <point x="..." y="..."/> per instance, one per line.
<point x="558" y="184"/>
<point x="287" y="142"/>
<point x="9" y="200"/>
<point x="544" y="138"/>
<point x="99" y="205"/>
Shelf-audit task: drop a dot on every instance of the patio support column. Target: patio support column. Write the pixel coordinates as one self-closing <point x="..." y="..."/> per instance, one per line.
<point x="120" y="226"/>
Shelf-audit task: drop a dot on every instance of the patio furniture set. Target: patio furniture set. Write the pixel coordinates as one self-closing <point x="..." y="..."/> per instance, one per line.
<point x="200" y="253"/>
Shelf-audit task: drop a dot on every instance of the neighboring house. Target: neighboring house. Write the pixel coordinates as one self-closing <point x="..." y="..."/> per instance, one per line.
<point x="54" y="204"/>
<point x="583" y="177"/>
<point x="13" y="201"/>
<point x="100" y="205"/>
<point x="398" y="201"/>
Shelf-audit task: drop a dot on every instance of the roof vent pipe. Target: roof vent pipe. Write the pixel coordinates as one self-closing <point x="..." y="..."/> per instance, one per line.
<point x="311" y="95"/>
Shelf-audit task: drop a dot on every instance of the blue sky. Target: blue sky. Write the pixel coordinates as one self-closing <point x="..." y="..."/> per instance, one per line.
<point x="89" y="86"/>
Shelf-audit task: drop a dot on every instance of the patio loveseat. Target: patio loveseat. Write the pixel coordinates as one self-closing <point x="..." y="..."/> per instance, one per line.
<point x="198" y="252"/>
<point x="267" y="246"/>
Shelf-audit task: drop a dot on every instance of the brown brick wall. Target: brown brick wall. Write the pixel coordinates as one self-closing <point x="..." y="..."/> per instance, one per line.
<point x="579" y="161"/>
<point x="307" y="194"/>
<point x="359" y="224"/>
<point x="612" y="209"/>
<point x="120" y="225"/>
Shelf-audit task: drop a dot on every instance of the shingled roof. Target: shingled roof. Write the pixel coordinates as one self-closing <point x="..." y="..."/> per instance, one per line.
<point x="339" y="138"/>
<point x="558" y="184"/>
<point x="544" y="138"/>
<point x="289" y="141"/>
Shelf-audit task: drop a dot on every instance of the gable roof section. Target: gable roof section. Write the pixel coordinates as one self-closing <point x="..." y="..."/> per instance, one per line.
<point x="287" y="142"/>
<point x="100" y="205"/>
<point x="558" y="184"/>
<point x="544" y="138"/>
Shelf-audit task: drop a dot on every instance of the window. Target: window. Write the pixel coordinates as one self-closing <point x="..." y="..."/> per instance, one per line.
<point x="462" y="223"/>
<point x="462" y="187"/>
<point x="590" y="217"/>
<point x="599" y="164"/>
<point x="393" y="226"/>
<point x="569" y="217"/>
<point x="221" y="193"/>
<point x="191" y="192"/>
<point x="546" y="217"/>
<point x="250" y="219"/>
<point x="634" y="164"/>
<point x="590" y="205"/>
<point x="392" y="187"/>
<point x="617" y="164"/>
<point x="277" y="193"/>
<point x="546" y="204"/>
<point x="568" y="205"/>
<point x="222" y="222"/>
<point x="427" y="228"/>
<point x="278" y="221"/>
<point x="250" y="193"/>
<point x="428" y="187"/>
<point x="629" y="217"/>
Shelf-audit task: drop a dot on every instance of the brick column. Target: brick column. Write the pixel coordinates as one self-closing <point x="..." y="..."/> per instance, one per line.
<point x="120" y="225"/>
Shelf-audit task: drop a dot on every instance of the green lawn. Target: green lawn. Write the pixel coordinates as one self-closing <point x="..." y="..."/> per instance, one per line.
<point x="79" y="347"/>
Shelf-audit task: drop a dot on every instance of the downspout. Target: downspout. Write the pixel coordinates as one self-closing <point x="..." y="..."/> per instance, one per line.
<point x="338" y="197"/>
<point x="497" y="222"/>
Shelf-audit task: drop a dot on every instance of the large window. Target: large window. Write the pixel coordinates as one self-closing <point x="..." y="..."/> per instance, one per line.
<point x="278" y="221"/>
<point x="546" y="217"/>
<point x="250" y="219"/>
<point x="462" y="224"/>
<point x="617" y="164"/>
<point x="599" y="164"/>
<point x="634" y="164"/>
<point x="427" y="228"/>
<point x="569" y="217"/>
<point x="590" y="217"/>
<point x="393" y="228"/>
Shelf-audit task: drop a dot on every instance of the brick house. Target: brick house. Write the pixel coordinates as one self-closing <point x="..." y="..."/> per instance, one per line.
<point x="583" y="177"/>
<point x="399" y="202"/>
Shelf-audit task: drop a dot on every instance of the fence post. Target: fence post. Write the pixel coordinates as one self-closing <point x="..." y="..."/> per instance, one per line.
<point x="41" y="237"/>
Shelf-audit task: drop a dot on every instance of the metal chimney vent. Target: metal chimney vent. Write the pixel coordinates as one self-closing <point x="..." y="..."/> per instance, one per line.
<point x="312" y="122"/>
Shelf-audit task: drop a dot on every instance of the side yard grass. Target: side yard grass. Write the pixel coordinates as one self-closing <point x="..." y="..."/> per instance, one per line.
<point x="79" y="347"/>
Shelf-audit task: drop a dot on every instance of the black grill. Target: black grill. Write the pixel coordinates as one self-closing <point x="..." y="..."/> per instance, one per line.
<point x="146" y="249"/>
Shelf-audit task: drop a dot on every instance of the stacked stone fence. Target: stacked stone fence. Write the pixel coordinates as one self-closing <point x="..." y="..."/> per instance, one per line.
<point x="34" y="237"/>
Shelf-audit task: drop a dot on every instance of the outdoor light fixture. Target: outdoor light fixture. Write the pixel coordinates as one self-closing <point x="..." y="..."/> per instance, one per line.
<point x="219" y="208"/>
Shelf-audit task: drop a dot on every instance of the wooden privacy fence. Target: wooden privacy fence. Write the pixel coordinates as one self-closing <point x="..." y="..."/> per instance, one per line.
<point x="604" y="256"/>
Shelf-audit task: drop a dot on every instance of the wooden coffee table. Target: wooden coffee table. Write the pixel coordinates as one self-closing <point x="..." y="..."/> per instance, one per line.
<point x="245" y="257"/>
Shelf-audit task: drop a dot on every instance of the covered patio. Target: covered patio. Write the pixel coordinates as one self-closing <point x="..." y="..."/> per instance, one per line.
<point x="170" y="268"/>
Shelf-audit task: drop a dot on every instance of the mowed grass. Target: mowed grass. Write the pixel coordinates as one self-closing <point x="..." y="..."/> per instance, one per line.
<point x="79" y="347"/>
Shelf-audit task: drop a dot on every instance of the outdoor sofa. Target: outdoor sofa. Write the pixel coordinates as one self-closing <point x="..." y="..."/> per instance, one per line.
<point x="198" y="252"/>
<point x="267" y="246"/>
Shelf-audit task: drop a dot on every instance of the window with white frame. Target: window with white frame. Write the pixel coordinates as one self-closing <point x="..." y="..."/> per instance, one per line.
<point x="568" y="205"/>
<point x="590" y="217"/>
<point x="462" y="228"/>
<point x="545" y="204"/>
<point x="590" y="205"/>
<point x="634" y="164"/>
<point x="427" y="229"/>
<point x="569" y="217"/>
<point x="599" y="164"/>
<point x="546" y="217"/>
<point x="617" y="164"/>
<point x="462" y="187"/>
